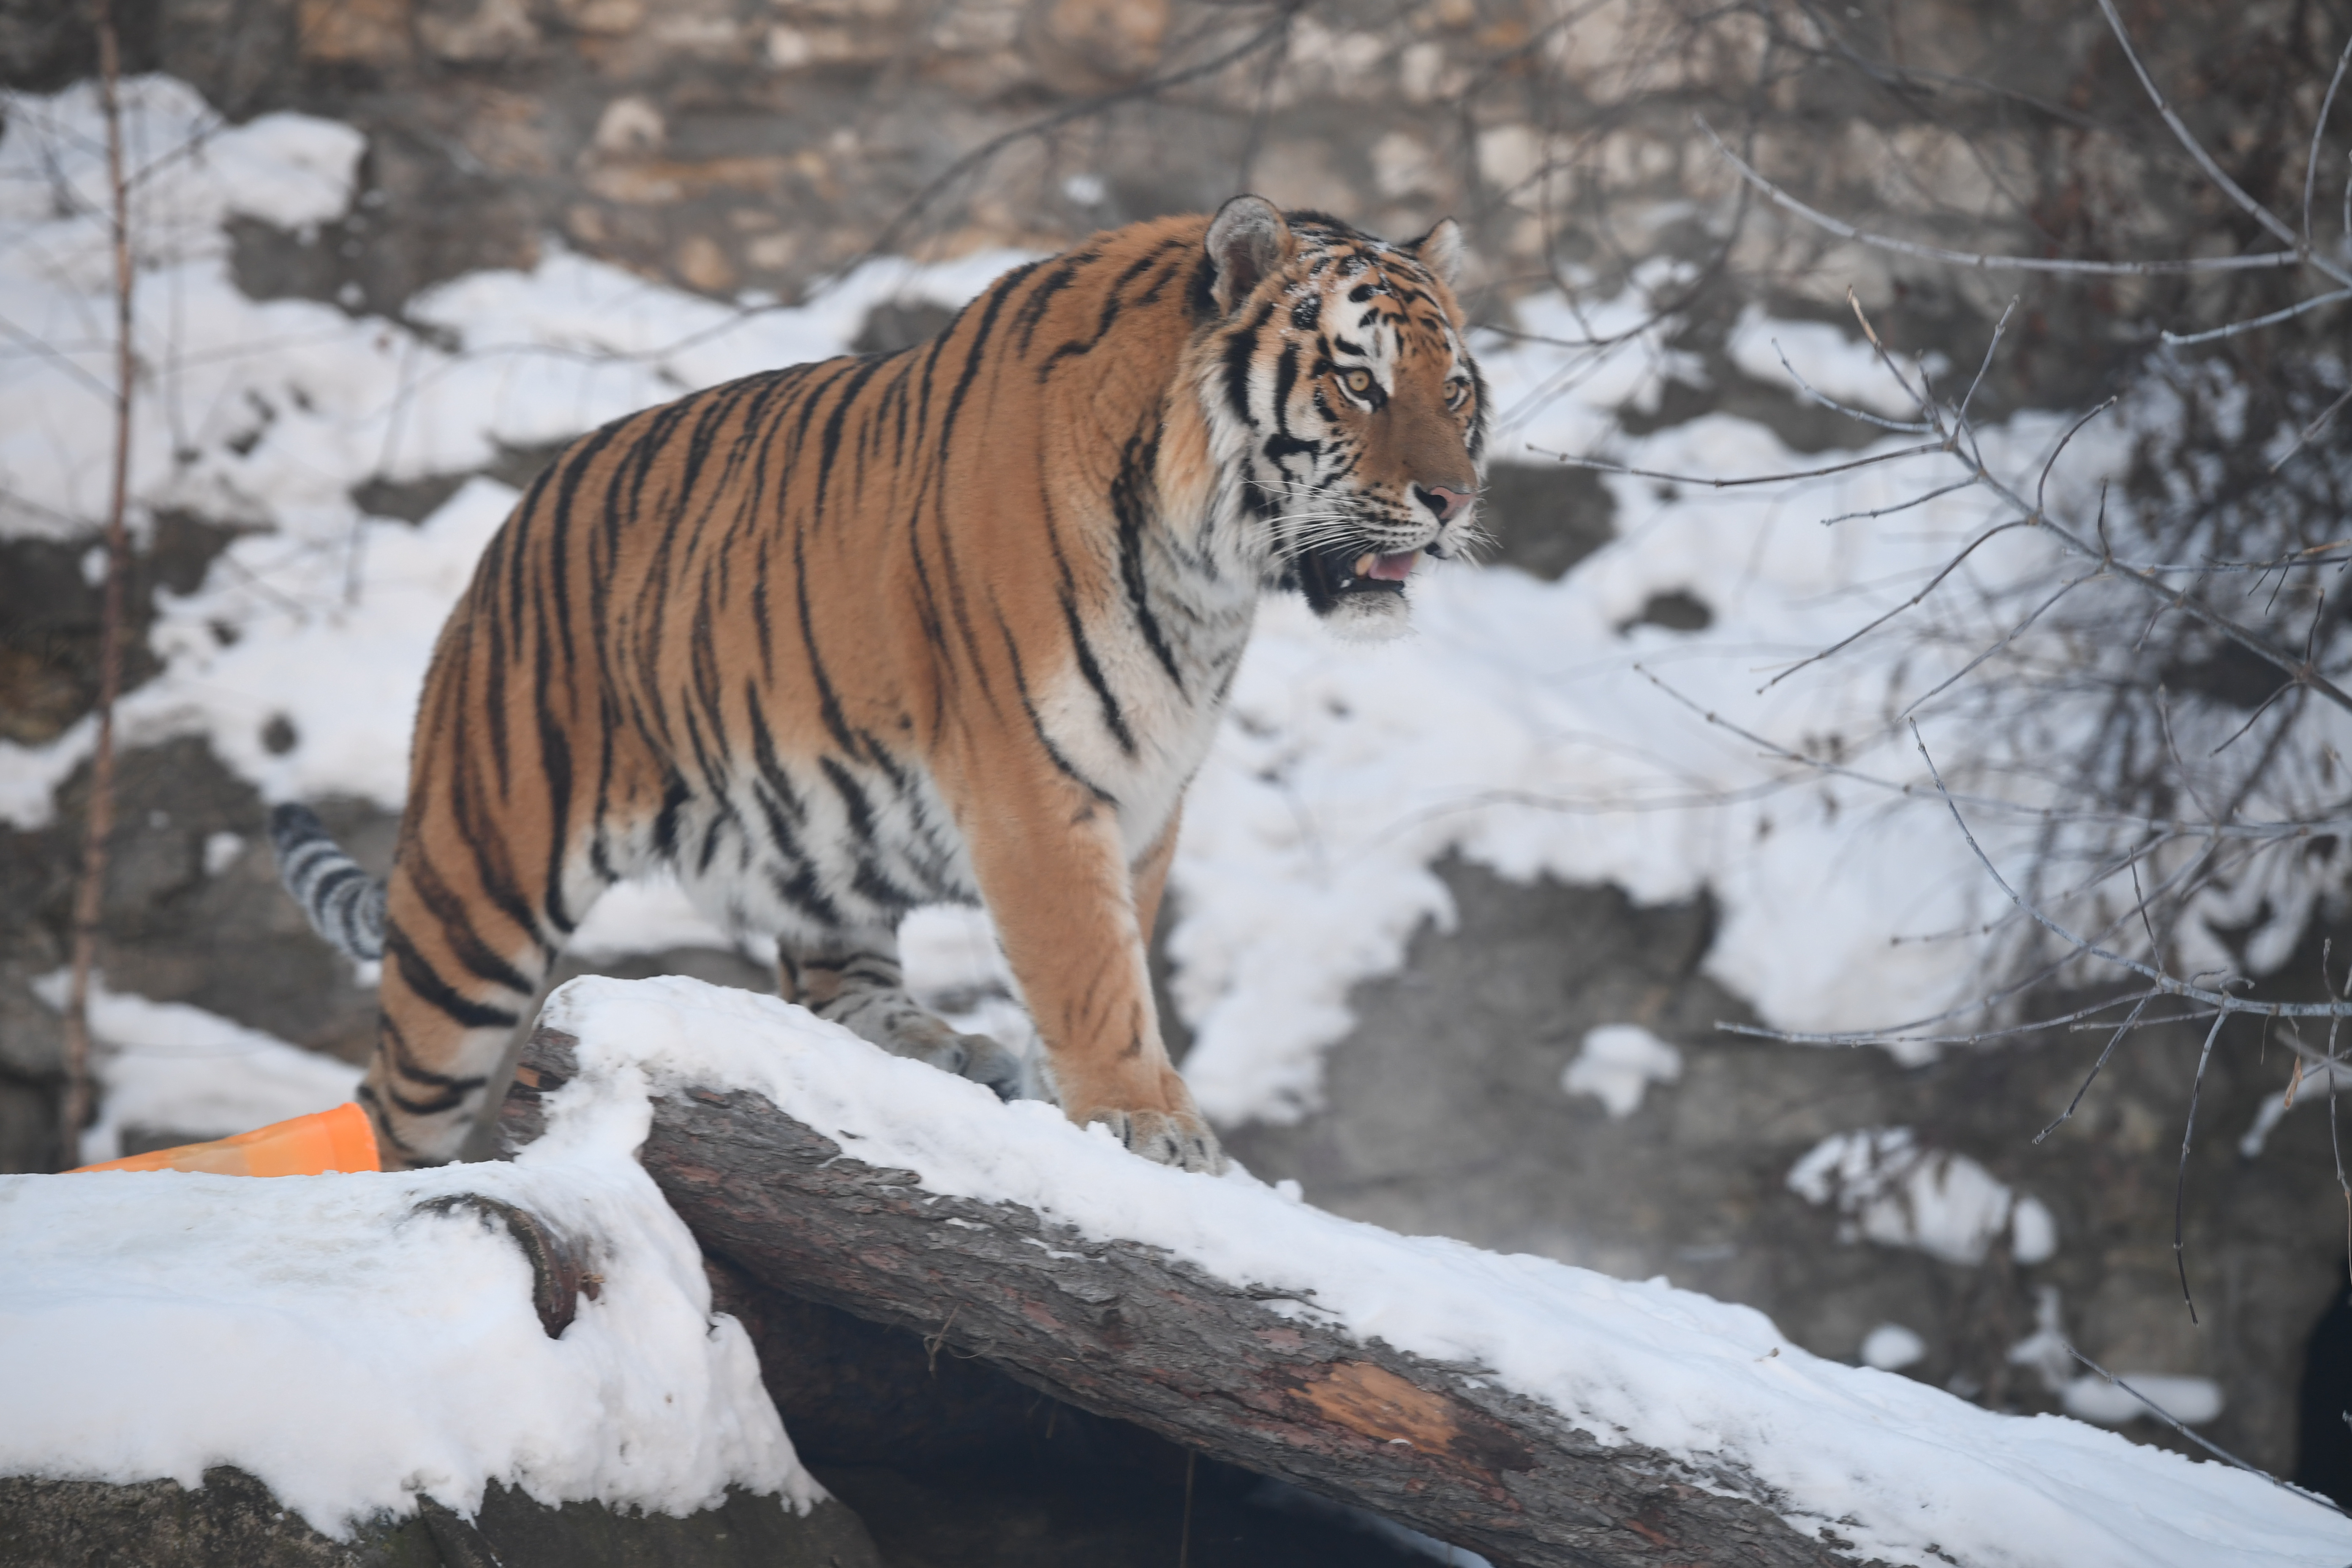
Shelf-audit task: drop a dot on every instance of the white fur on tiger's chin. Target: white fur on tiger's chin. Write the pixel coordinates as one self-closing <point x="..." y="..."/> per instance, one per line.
<point x="1369" y="618"/>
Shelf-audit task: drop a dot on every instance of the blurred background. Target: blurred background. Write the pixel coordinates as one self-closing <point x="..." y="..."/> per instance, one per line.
<point x="1457" y="926"/>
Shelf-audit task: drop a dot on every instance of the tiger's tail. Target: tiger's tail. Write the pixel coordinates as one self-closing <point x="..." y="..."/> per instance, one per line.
<point x="344" y="903"/>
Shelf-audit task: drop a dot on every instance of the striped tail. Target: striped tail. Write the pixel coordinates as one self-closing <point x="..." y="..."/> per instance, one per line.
<point x="344" y="903"/>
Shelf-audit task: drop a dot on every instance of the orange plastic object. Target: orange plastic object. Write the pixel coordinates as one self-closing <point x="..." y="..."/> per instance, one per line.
<point x="337" y="1140"/>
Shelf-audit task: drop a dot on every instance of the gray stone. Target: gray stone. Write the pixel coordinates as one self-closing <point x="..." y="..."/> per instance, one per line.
<point x="232" y="1519"/>
<point x="1445" y="1113"/>
<point x="1545" y="517"/>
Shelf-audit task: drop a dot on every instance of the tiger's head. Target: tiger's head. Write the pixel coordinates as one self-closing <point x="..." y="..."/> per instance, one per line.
<point x="1344" y="405"/>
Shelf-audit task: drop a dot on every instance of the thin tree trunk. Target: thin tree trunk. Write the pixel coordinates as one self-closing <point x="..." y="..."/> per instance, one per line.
<point x="99" y="827"/>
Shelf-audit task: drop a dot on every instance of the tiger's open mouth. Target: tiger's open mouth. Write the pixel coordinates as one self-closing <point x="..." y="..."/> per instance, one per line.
<point x="1337" y="572"/>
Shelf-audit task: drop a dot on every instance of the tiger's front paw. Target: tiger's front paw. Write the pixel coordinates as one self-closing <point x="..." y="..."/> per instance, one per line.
<point x="1178" y="1138"/>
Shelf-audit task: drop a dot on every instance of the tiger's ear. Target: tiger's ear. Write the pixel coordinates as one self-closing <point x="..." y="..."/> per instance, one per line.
<point x="1440" y="250"/>
<point x="1247" y="239"/>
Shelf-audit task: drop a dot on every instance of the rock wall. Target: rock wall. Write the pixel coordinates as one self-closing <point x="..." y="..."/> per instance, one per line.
<point x="755" y="145"/>
<point x="1447" y="1114"/>
<point x="232" y="1518"/>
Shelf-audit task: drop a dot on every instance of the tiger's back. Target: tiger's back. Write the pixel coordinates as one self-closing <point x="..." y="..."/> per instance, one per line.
<point x="833" y="641"/>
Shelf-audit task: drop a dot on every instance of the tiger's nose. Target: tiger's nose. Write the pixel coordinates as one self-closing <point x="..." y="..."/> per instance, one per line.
<point x="1441" y="500"/>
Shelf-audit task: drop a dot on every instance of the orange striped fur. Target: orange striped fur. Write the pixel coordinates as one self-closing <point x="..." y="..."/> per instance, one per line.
<point x="952" y="624"/>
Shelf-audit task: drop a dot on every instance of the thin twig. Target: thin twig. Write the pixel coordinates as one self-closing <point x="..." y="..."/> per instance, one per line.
<point x="74" y="1114"/>
<point x="2180" y="1177"/>
<point x="2162" y="982"/>
<point x="1909" y="428"/>
<point x="2169" y="825"/>
<point x="2213" y="170"/>
<point x="2006" y="637"/>
<point x="1272" y="33"/>
<point x="1992" y="346"/>
<point x="2130" y="1021"/>
<point x="2211" y="1448"/>
<point x="1938" y="493"/>
<point x="1852" y="638"/>
<point x="2252" y="323"/>
<point x="2318" y="132"/>
<point x="1988" y="263"/>
<point x="1601" y="465"/>
<point x="2313" y="428"/>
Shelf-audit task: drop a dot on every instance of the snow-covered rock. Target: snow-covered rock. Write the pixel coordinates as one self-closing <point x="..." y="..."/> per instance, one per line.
<point x="355" y="1351"/>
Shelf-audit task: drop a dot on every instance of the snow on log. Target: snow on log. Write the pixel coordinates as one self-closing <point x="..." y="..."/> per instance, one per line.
<point x="1536" y="1413"/>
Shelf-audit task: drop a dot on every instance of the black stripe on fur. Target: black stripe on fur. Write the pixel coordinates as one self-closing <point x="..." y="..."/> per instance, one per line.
<point x="344" y="904"/>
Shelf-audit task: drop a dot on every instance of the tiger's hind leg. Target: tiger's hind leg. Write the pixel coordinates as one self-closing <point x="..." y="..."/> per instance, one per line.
<point x="460" y="975"/>
<point x="856" y="982"/>
<point x="484" y="890"/>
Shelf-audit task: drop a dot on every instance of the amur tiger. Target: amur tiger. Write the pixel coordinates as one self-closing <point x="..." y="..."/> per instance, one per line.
<point x="951" y="624"/>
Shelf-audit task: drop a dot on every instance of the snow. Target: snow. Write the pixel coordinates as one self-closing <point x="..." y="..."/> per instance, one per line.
<point x="1827" y="359"/>
<point x="2318" y="1084"/>
<point x="1521" y="730"/>
<point x="2094" y="1397"/>
<point x="1617" y="1063"/>
<point x="290" y="170"/>
<point x="222" y="850"/>
<point x="1911" y="1474"/>
<point x="354" y="1352"/>
<point x="1891" y="1347"/>
<point x="644" y="916"/>
<point x="2192" y="1401"/>
<point x="168" y="1066"/>
<point x="1898" y="1194"/>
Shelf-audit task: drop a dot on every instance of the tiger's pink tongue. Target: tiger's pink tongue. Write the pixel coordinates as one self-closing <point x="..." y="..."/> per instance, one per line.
<point x="1394" y="568"/>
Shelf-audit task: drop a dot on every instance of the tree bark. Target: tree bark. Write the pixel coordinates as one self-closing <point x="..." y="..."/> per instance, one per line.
<point x="1128" y="1331"/>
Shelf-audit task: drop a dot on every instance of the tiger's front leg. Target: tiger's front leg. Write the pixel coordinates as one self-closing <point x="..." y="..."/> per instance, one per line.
<point x="856" y="982"/>
<point x="1071" y="914"/>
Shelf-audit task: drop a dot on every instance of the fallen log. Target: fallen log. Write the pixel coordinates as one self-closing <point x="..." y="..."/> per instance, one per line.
<point x="1129" y="1331"/>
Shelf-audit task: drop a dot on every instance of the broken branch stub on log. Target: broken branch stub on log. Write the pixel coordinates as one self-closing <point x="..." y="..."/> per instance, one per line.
<point x="1128" y="1331"/>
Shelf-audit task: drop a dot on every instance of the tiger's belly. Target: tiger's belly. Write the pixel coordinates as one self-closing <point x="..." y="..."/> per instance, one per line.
<point x="820" y="848"/>
<point x="853" y="846"/>
<point x="807" y="846"/>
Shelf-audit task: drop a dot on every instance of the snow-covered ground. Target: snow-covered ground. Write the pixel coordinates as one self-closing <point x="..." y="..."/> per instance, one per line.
<point x="1526" y="726"/>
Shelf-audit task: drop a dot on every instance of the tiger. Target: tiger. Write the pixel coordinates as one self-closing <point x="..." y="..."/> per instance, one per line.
<point x="952" y="624"/>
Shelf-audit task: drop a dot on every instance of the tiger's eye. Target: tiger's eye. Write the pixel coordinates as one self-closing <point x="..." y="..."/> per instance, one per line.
<point x="1359" y="382"/>
<point x="1457" y="391"/>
